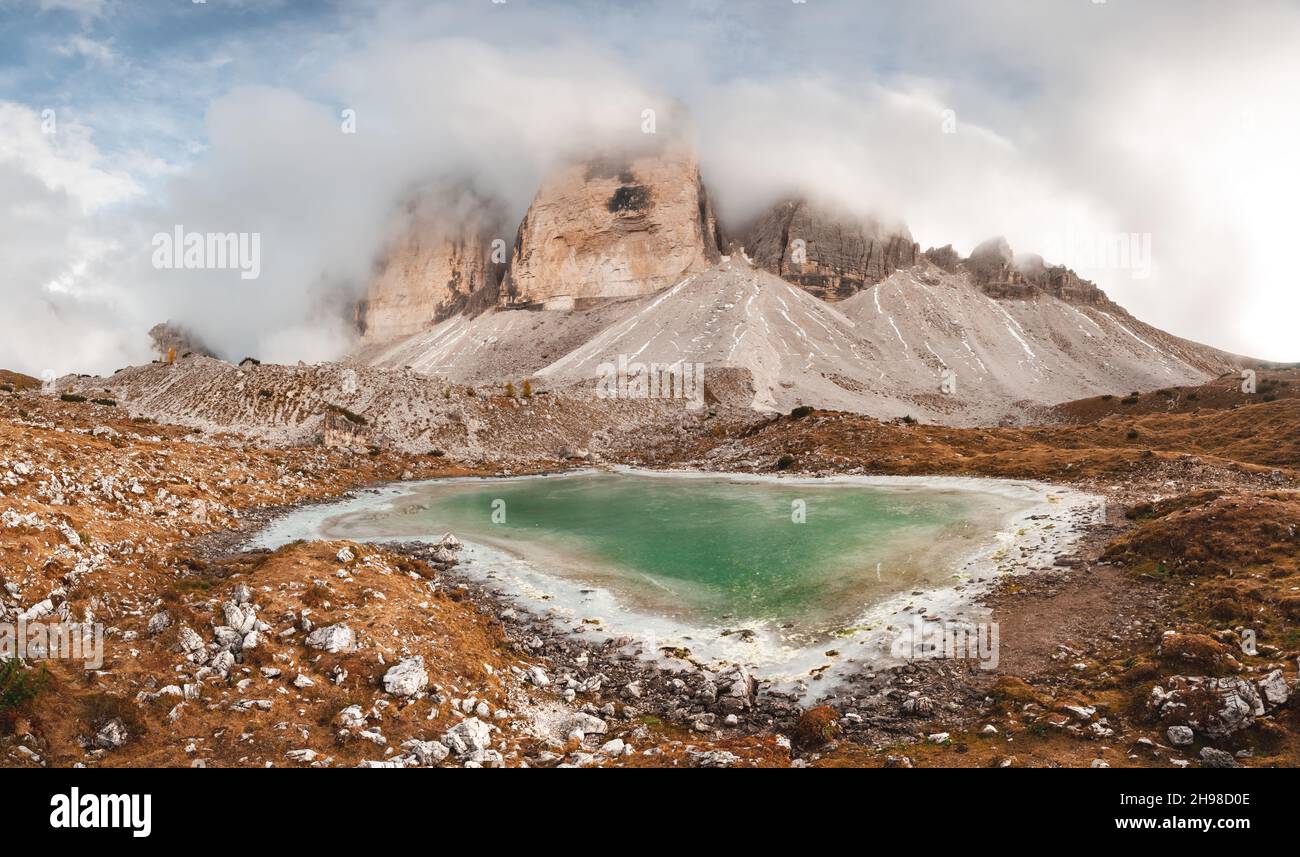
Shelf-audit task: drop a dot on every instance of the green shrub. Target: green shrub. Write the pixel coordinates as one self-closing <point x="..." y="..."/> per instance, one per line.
<point x="18" y="687"/>
<point x="785" y="462"/>
<point x="72" y="397"/>
<point x="801" y="412"/>
<point x="108" y="403"/>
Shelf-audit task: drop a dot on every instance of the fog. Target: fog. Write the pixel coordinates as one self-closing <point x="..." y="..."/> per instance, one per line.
<point x="1067" y="121"/>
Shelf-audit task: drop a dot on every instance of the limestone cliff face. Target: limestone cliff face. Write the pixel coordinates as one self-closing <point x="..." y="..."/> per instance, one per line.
<point x="1002" y="274"/>
<point x="612" y="228"/>
<point x="830" y="254"/>
<point x="444" y="262"/>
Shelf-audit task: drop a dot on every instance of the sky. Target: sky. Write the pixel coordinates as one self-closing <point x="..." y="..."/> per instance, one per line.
<point x="1064" y="125"/>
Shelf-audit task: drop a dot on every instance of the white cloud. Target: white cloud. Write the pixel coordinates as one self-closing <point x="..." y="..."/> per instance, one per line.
<point x="83" y="46"/>
<point x="1172" y="119"/>
<point x="87" y="9"/>
<point x="62" y="316"/>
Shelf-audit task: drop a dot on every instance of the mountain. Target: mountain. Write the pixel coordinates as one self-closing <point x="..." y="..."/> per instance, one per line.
<point x="612" y="227"/>
<point x="831" y="254"/>
<point x="817" y="307"/>
<point x="439" y="264"/>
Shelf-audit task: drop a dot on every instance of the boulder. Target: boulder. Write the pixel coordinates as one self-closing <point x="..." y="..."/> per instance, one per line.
<point x="428" y="753"/>
<point x="333" y="639"/>
<point x="112" y="735"/>
<point x="586" y="724"/>
<point x="1214" y="707"/>
<point x="407" y="678"/>
<point x="1212" y="758"/>
<point x="1273" y="688"/>
<point x="351" y="717"/>
<point x="469" y="736"/>
<point x="736" y="689"/>
<point x="159" y="622"/>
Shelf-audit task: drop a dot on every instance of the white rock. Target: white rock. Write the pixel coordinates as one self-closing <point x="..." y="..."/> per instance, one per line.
<point x="407" y="678"/>
<point x="713" y="758"/>
<point x="428" y="752"/>
<point x="351" y="717"/>
<point x="584" y="724"/>
<point x="1179" y="736"/>
<point x="345" y="555"/>
<point x="374" y="736"/>
<point x="159" y="622"/>
<point x="238" y="618"/>
<point x="111" y="735"/>
<point x="333" y="639"/>
<point x="1273" y="688"/>
<point x="223" y="662"/>
<point x="468" y="736"/>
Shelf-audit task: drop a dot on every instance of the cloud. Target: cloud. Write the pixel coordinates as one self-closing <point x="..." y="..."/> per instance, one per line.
<point x="82" y="46"/>
<point x="1168" y="119"/>
<point x="85" y="9"/>
<point x="62" y="318"/>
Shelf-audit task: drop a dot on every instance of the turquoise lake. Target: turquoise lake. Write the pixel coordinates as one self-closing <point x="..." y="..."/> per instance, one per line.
<point x="707" y="550"/>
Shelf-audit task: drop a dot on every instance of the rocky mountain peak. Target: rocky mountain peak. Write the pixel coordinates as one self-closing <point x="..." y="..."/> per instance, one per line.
<point x="612" y="226"/>
<point x="1004" y="274"/>
<point x="827" y="251"/>
<point x="170" y="338"/>
<point x="447" y="256"/>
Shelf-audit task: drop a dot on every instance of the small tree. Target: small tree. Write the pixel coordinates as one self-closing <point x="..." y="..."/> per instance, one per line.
<point x="528" y="389"/>
<point x="171" y="356"/>
<point x="510" y="389"/>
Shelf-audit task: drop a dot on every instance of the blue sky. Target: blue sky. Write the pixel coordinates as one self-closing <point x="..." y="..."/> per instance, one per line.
<point x="143" y="73"/>
<point x="1168" y="118"/>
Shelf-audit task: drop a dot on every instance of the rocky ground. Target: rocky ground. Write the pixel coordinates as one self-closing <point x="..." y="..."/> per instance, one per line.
<point x="1133" y="651"/>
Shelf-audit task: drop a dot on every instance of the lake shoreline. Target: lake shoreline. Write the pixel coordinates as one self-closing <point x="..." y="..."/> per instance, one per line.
<point x="1049" y="524"/>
